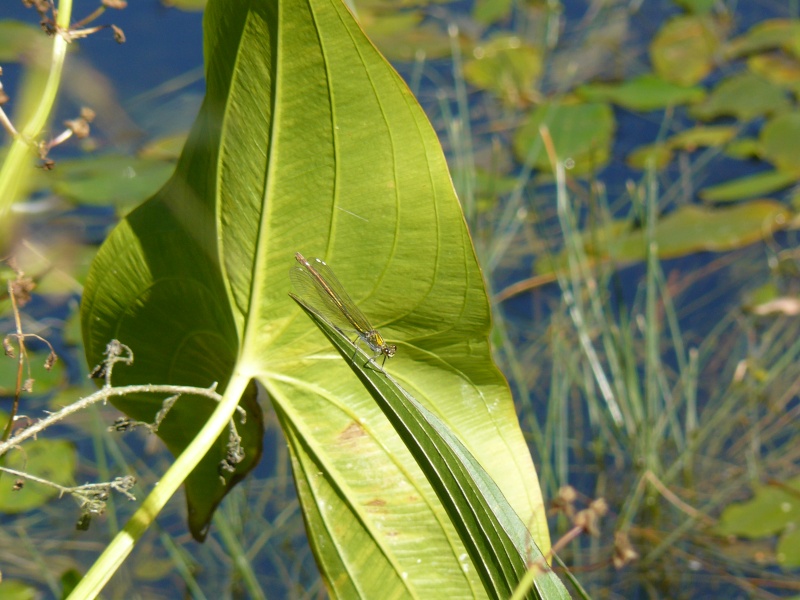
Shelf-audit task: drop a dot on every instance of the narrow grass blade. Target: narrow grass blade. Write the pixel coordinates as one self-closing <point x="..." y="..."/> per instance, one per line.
<point x="499" y="544"/>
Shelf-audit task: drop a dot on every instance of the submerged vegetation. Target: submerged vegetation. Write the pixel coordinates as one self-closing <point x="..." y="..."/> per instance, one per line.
<point x="628" y="174"/>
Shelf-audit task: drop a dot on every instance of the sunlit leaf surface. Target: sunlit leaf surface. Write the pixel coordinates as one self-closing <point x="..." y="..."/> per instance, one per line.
<point x="309" y="141"/>
<point x="683" y="51"/>
<point x="745" y="96"/>
<point x="646" y="92"/>
<point x="53" y="460"/>
<point x="43" y="380"/>
<point x="107" y="180"/>
<point x="748" y="186"/>
<point x="686" y="230"/>
<point x="507" y="66"/>
<point x="582" y="134"/>
<point x="766" y="35"/>
<point x="774" y="509"/>
<point x="779" y="138"/>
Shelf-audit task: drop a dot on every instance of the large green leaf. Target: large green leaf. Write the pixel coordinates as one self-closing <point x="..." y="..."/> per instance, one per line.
<point x="495" y="537"/>
<point x="308" y="140"/>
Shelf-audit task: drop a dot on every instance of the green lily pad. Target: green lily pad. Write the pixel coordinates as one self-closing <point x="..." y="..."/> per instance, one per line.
<point x="779" y="69"/>
<point x="779" y="141"/>
<point x="489" y="186"/>
<point x="744" y="96"/>
<point x="580" y="132"/>
<point x="506" y="66"/>
<point x="688" y="140"/>
<point x="108" y="180"/>
<point x="186" y="5"/>
<point x="643" y="93"/>
<point x="59" y="267"/>
<point x="767" y="35"/>
<point x="401" y="35"/>
<point x="53" y="460"/>
<point x="687" y="230"/>
<point x="710" y="136"/>
<point x="748" y="187"/>
<point x="164" y="148"/>
<point x="11" y="589"/>
<point x="491" y="11"/>
<point x="19" y="39"/>
<point x="743" y="148"/>
<point x="656" y="155"/>
<point x="683" y="51"/>
<point x="774" y="509"/>
<point x="692" y="228"/>
<point x="43" y="380"/>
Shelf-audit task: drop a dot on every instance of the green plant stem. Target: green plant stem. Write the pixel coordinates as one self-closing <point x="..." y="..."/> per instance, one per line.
<point x="11" y="180"/>
<point x="122" y="545"/>
<point x="239" y="557"/>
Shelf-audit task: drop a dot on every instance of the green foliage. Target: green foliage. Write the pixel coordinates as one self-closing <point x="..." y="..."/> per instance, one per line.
<point x="323" y="149"/>
<point x="112" y="179"/>
<point x="52" y="460"/>
<point x="646" y="92"/>
<point x="34" y="368"/>
<point x="196" y="279"/>
<point x="744" y="97"/>
<point x="684" y="49"/>
<point x="748" y="186"/>
<point x="499" y="543"/>
<point x="506" y="66"/>
<point x="687" y="230"/>
<point x="17" y="590"/>
<point x="581" y="132"/>
<point x="773" y="510"/>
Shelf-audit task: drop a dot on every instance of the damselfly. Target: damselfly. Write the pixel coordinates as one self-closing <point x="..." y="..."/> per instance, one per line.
<point x="318" y="286"/>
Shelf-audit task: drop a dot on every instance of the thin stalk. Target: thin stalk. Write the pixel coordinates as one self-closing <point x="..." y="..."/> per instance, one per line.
<point x="122" y="545"/>
<point x="241" y="562"/>
<point x="12" y="174"/>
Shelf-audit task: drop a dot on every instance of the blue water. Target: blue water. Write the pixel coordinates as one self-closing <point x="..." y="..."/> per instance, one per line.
<point x="164" y="44"/>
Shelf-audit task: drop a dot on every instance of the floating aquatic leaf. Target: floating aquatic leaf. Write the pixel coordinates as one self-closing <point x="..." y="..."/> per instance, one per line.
<point x="11" y="589"/>
<point x="44" y="380"/>
<point x="187" y="5"/>
<point x="703" y="136"/>
<point x="59" y="265"/>
<point x="108" y="180"/>
<point x="506" y="66"/>
<point x="656" y="156"/>
<point x="19" y="40"/>
<point x="766" y="35"/>
<point x="749" y="186"/>
<point x="694" y="228"/>
<point x="580" y="132"/>
<point x="401" y="35"/>
<point x="778" y="69"/>
<point x="779" y="138"/>
<point x="53" y="460"/>
<point x="684" y="49"/>
<point x="491" y="11"/>
<point x="646" y="92"/>
<point x="164" y="148"/>
<point x="687" y="230"/>
<point x="774" y="509"/>
<point x="744" y="96"/>
<point x="688" y="140"/>
<point x="743" y="148"/>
